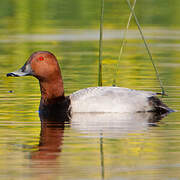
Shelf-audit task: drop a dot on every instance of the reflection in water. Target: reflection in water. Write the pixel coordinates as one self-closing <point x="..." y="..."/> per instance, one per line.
<point x="51" y="136"/>
<point x="51" y="140"/>
<point x="102" y="156"/>
<point x="114" y="123"/>
<point x="44" y="160"/>
<point x="52" y="133"/>
<point x="50" y="145"/>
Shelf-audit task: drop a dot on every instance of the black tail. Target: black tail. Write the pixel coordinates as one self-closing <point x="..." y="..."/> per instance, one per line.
<point x="159" y="106"/>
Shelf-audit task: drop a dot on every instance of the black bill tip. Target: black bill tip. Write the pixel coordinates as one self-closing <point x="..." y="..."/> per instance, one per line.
<point x="12" y="75"/>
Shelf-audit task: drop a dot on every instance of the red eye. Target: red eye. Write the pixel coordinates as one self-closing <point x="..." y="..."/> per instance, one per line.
<point x="41" y="58"/>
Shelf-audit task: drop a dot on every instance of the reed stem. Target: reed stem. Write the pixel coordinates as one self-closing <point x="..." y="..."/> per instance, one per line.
<point x="122" y="45"/>
<point x="100" y="44"/>
<point x="146" y="45"/>
<point x="102" y="156"/>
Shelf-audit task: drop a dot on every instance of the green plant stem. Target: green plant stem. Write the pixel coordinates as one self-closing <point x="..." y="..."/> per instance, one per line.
<point x="146" y="45"/>
<point x="102" y="156"/>
<point x="122" y="45"/>
<point x="100" y="44"/>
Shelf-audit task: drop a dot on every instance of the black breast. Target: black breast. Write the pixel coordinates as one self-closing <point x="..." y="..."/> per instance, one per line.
<point x="55" y="112"/>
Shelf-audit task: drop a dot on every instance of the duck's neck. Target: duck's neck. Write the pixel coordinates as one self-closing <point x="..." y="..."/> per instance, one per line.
<point x="52" y="90"/>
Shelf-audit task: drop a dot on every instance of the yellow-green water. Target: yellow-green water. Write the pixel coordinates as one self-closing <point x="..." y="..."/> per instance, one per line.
<point x="70" y="29"/>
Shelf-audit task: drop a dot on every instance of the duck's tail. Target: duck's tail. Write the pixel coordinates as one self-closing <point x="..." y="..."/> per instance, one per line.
<point x="159" y="106"/>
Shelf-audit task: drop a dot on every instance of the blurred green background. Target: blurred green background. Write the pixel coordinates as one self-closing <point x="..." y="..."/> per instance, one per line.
<point x="70" y="29"/>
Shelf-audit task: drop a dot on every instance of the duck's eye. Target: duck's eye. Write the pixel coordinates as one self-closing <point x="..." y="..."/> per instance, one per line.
<point x="41" y="58"/>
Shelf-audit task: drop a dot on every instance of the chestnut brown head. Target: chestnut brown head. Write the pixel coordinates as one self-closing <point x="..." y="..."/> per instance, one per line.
<point x="42" y="64"/>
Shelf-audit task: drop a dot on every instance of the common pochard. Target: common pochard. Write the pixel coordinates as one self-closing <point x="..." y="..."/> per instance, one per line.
<point x="44" y="66"/>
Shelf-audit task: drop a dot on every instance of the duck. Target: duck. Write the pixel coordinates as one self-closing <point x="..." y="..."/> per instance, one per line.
<point x="44" y="66"/>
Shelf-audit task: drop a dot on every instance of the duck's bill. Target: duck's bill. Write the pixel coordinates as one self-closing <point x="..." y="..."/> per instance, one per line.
<point x="24" y="71"/>
<point x="17" y="74"/>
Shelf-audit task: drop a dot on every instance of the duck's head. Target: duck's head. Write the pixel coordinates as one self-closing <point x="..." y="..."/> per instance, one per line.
<point x="42" y="64"/>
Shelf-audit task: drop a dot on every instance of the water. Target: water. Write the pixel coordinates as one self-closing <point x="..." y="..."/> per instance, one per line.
<point x="127" y="148"/>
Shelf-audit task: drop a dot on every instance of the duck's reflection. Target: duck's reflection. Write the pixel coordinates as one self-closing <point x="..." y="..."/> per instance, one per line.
<point x="52" y="128"/>
<point x="115" y="124"/>
<point x="51" y="136"/>
<point x="46" y="161"/>
<point x="51" y="140"/>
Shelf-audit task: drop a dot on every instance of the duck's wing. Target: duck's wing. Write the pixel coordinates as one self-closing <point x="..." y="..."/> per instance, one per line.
<point x="110" y="99"/>
<point x="109" y="92"/>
